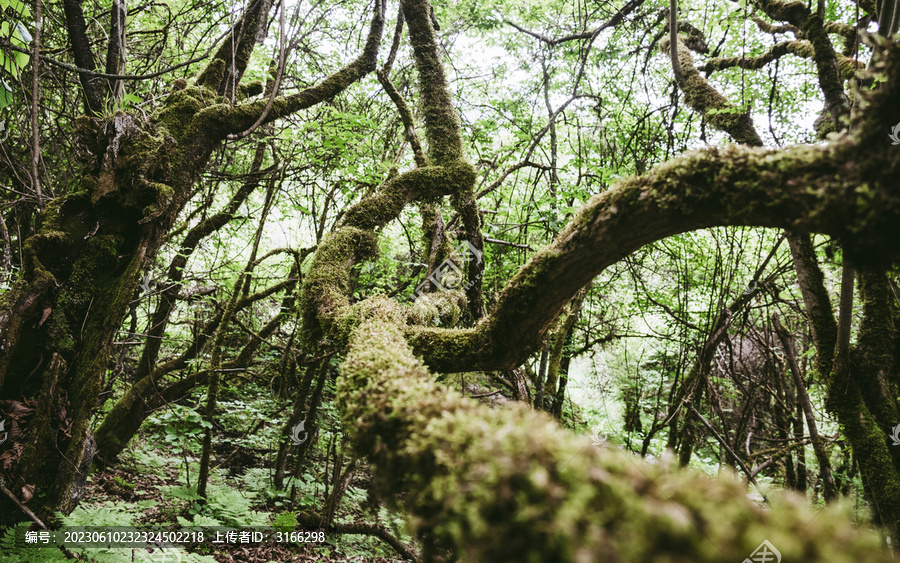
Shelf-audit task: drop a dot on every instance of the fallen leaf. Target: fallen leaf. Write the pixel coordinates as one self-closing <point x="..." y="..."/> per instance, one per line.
<point x="46" y="314"/>
<point x="27" y="493"/>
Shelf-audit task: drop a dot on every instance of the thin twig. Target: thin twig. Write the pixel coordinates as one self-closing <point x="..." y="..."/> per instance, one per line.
<point x="728" y="449"/>
<point x="72" y="68"/>
<point x="485" y="394"/>
<point x="23" y="508"/>
<point x="35" y="97"/>
<point x="507" y="243"/>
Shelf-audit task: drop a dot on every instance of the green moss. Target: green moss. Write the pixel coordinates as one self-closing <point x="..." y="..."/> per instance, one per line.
<point x="442" y="129"/>
<point x="702" y="97"/>
<point x="324" y="296"/>
<point x="160" y="196"/>
<point x="212" y="75"/>
<point x="440" y="309"/>
<point x="180" y="109"/>
<point x="512" y="485"/>
<point x="250" y="89"/>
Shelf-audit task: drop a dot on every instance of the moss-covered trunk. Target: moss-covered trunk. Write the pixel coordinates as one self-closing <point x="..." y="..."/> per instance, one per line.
<point x="860" y="392"/>
<point x="80" y="272"/>
<point x="511" y="485"/>
<point x="82" y="269"/>
<point x="863" y="399"/>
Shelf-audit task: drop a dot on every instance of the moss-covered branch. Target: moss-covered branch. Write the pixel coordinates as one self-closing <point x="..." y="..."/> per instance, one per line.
<point x="702" y="97"/>
<point x="846" y="189"/>
<point x="226" y="68"/>
<point x="816" y="189"/>
<point x="794" y="12"/>
<point x="815" y="297"/>
<point x="847" y="65"/>
<point x="767" y="27"/>
<point x="442" y="128"/>
<point x="225" y="119"/>
<point x="512" y="485"/>
<point x="816" y="32"/>
<point x="830" y="82"/>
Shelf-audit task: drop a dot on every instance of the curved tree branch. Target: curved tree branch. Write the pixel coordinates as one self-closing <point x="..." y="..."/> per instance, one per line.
<point x="804" y="49"/>
<point x="617" y="18"/>
<point x="470" y="470"/>
<point x="228" y="120"/>
<point x="813" y="189"/>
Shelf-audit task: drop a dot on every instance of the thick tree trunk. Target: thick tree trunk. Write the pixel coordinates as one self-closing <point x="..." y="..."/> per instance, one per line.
<point x="859" y="389"/>
<point x="80" y="273"/>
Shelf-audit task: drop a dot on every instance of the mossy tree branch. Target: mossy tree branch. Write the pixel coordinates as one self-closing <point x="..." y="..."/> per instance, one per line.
<point x="227" y="120"/>
<point x="809" y="188"/>
<point x="512" y="485"/>
<point x="224" y="71"/>
<point x="846" y="189"/>
<point x="325" y="294"/>
<point x="816" y="189"/>
<point x="815" y="297"/>
<point x="814" y="28"/>
<point x="702" y="97"/>
<point x="804" y="49"/>
<point x="442" y="128"/>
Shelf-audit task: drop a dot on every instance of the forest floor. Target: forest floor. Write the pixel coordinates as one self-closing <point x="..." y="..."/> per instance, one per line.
<point x="154" y="486"/>
<point x="148" y="497"/>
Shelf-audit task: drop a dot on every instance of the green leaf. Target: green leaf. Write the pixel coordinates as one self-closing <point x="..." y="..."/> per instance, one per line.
<point x="20" y="8"/>
<point x="22" y="33"/>
<point x="15" y="62"/>
<point x="6" y="98"/>
<point x="131" y="99"/>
